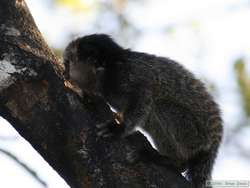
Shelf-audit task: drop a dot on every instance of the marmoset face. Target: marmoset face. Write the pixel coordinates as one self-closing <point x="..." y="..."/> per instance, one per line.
<point x="84" y="76"/>
<point x="81" y="70"/>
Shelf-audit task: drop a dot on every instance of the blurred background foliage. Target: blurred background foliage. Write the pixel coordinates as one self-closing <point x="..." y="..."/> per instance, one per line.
<point x="209" y="37"/>
<point x="76" y="5"/>
<point x="243" y="80"/>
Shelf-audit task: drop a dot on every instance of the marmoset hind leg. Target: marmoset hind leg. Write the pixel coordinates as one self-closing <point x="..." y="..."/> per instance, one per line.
<point x="185" y="142"/>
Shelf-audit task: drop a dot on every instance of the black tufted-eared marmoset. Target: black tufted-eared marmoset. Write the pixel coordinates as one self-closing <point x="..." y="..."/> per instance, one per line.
<point x="152" y="92"/>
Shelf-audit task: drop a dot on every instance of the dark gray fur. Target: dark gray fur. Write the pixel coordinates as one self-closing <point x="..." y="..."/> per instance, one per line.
<point x="154" y="93"/>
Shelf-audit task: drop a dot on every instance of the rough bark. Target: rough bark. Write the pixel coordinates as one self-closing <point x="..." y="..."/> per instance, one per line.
<point x="56" y="121"/>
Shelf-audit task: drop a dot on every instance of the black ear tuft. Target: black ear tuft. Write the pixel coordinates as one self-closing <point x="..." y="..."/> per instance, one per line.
<point x="99" y="47"/>
<point x="86" y="50"/>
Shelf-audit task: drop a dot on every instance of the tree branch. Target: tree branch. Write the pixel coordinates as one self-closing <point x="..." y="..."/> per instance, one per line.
<point x="26" y="167"/>
<point x="55" y="120"/>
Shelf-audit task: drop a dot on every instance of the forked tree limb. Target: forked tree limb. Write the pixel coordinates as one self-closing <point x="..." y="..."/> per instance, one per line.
<point x="58" y="123"/>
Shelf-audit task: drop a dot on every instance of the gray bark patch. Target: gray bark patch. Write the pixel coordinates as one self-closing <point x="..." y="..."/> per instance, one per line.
<point x="10" y="31"/>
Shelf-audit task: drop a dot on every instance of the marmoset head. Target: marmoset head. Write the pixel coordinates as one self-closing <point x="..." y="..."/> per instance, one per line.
<point x="87" y="58"/>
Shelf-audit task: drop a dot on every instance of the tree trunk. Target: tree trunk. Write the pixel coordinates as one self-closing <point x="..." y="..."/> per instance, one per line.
<point x="56" y="121"/>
